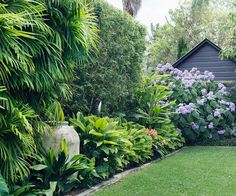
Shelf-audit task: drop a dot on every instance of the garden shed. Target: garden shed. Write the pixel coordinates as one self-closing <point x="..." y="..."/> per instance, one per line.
<point x="206" y="57"/>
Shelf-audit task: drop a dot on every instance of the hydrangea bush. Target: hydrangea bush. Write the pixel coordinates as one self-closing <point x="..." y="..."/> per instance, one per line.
<point x="203" y="109"/>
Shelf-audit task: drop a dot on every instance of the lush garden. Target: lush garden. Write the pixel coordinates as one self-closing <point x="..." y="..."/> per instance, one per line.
<point x="68" y="61"/>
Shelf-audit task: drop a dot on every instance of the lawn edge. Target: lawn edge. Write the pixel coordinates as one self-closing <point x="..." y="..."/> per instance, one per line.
<point x="118" y="177"/>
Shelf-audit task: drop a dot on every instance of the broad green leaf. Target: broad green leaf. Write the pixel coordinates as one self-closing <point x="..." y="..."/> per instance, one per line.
<point x="213" y="104"/>
<point x="101" y="123"/>
<point x="210" y="117"/>
<point x="99" y="143"/>
<point x="196" y="114"/>
<point x="93" y="132"/>
<point x="105" y="149"/>
<point x="109" y="142"/>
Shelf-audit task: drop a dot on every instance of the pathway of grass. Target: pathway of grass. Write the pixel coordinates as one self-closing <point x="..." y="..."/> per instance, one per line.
<point x="195" y="171"/>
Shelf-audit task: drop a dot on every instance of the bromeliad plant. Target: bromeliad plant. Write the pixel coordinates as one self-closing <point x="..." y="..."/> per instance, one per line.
<point x="203" y="110"/>
<point x="60" y="172"/>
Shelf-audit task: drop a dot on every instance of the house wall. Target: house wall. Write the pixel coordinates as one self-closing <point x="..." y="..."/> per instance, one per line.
<point x="207" y="58"/>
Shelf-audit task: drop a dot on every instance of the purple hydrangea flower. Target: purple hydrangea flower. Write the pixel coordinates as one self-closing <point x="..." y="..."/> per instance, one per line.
<point x="187" y="83"/>
<point x="232" y="107"/>
<point x="222" y="89"/>
<point x="162" y="69"/>
<point x="188" y="77"/>
<point x="210" y="136"/>
<point x="204" y="91"/>
<point x="201" y="101"/>
<point x="220" y="86"/>
<point x="223" y="102"/>
<point x="193" y="70"/>
<point x="194" y="126"/>
<point x="210" y="126"/>
<point x="185" y="109"/>
<point x="222" y="92"/>
<point x="210" y="96"/>
<point x="217" y="113"/>
<point x="175" y="72"/>
<point x="221" y="132"/>
<point x="171" y="86"/>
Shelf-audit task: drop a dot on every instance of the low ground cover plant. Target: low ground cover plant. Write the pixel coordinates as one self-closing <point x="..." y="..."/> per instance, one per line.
<point x="203" y="107"/>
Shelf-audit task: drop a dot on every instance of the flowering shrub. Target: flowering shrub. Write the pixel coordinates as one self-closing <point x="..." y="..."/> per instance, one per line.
<point x="203" y="109"/>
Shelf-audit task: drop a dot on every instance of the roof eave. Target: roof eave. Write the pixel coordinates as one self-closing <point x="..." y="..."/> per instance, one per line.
<point x="183" y="58"/>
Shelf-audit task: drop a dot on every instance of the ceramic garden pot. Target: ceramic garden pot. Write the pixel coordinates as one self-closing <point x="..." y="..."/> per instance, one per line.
<point x="59" y="132"/>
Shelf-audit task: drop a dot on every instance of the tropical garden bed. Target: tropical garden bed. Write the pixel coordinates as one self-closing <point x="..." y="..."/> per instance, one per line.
<point x="193" y="171"/>
<point x="83" y="62"/>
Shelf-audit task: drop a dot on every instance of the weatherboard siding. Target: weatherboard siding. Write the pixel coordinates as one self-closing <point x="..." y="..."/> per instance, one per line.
<point x="207" y="58"/>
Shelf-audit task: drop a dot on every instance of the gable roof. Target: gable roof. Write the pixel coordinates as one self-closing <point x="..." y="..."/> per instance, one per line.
<point x="201" y="44"/>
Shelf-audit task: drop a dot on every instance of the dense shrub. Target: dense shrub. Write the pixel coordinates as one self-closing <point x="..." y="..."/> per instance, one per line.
<point x="114" y="72"/>
<point x="114" y="146"/>
<point x="203" y="108"/>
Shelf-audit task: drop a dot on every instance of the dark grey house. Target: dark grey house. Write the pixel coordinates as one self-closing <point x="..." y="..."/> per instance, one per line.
<point x="205" y="56"/>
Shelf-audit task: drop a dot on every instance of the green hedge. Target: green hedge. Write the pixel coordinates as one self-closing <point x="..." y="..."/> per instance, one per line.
<point x="114" y="71"/>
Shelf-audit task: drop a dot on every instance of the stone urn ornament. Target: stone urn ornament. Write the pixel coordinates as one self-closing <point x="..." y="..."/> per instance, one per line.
<point x="60" y="132"/>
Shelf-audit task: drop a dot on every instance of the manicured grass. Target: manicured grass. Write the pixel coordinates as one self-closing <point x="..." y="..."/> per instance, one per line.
<point x="208" y="171"/>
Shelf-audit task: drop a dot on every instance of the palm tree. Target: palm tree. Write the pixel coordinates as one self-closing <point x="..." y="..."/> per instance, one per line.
<point x="41" y="42"/>
<point x="132" y="6"/>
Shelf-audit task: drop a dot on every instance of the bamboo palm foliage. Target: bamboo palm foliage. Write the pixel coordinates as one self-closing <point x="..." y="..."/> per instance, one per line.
<point x="41" y="42"/>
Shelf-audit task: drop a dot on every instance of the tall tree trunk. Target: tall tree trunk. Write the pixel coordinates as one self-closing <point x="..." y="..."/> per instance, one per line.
<point x="132" y="6"/>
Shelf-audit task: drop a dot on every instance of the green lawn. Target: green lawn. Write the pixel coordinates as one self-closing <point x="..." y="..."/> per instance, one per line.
<point x="209" y="171"/>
